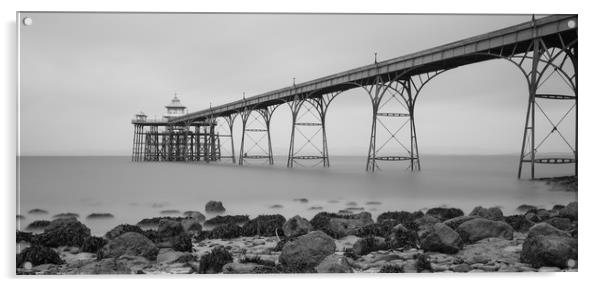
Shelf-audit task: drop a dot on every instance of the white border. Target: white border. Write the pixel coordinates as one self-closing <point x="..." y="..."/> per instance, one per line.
<point x="590" y="103"/>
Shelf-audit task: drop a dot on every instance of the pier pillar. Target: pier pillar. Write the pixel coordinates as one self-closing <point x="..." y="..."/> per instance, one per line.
<point x="257" y="132"/>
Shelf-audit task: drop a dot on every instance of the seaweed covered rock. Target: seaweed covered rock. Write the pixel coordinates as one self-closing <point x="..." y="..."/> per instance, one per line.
<point x="264" y="225"/>
<point x="37" y="255"/>
<point x="154" y="221"/>
<point x="492" y="213"/>
<point x="37" y="211"/>
<point x="399" y="217"/>
<point x="93" y="244"/>
<point x="99" y="216"/>
<point x="424" y="225"/>
<point x="214" y="261"/>
<point x="334" y="264"/>
<point x="518" y="222"/>
<point x="551" y="250"/>
<point x="453" y="223"/>
<point x="444" y="213"/>
<point x="227" y="219"/>
<point x="561" y="223"/>
<point x="442" y="239"/>
<point x="194" y="214"/>
<point x="524" y="208"/>
<point x="38" y="224"/>
<point x="391" y="269"/>
<point x="337" y="225"/>
<point x="121" y="229"/>
<point x="63" y="232"/>
<point x="296" y="226"/>
<point x="569" y="211"/>
<point x="307" y="250"/>
<point x="24" y="236"/>
<point x="402" y="237"/>
<point x="481" y="228"/>
<point x="130" y="243"/>
<point x="369" y="244"/>
<point x="169" y="228"/>
<point x="192" y="225"/>
<point x="181" y="242"/>
<point x="545" y="229"/>
<point x="382" y="229"/>
<point x="214" y="207"/>
<point x="226" y="231"/>
<point x="104" y="266"/>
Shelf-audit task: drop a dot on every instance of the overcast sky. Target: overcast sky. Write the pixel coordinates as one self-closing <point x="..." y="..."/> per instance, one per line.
<point x="84" y="76"/>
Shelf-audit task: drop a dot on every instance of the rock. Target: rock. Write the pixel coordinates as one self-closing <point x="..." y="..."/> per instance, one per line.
<point x="194" y="214"/>
<point x="392" y="269"/>
<point x="37" y="255"/>
<point x="275" y="206"/>
<point x="491" y="249"/>
<point x="99" y="216"/>
<point x="402" y="237"/>
<point x="315" y="208"/>
<point x="170" y="211"/>
<point x="443" y="213"/>
<point x="63" y="232"/>
<point x="264" y="225"/>
<point x="334" y="264"/>
<point x="192" y="225"/>
<point x="453" y="223"/>
<point x="425" y="224"/>
<point x="349" y="225"/>
<point x="130" y="243"/>
<point x="570" y="211"/>
<point x="134" y="263"/>
<point x="461" y="268"/>
<point x="373" y="203"/>
<point x="296" y="226"/>
<point x="560" y="223"/>
<point x="104" y="266"/>
<point x="24" y="236"/>
<point x="38" y="224"/>
<point x="20" y="217"/>
<point x="214" y="207"/>
<point x="167" y="256"/>
<point x="492" y="213"/>
<point x="243" y="268"/>
<point x="154" y="221"/>
<point x="558" y="207"/>
<point x="550" y="250"/>
<point x="518" y="222"/>
<point x="227" y="219"/>
<point x="37" y="211"/>
<point x="121" y="229"/>
<point x="524" y="208"/>
<point x="181" y="242"/>
<point x="93" y="244"/>
<point x="214" y="261"/>
<point x="544" y="229"/>
<point x="442" y="239"/>
<point x="402" y="217"/>
<point x="377" y="229"/>
<point x="477" y="229"/>
<point x="66" y="215"/>
<point x="369" y="244"/>
<point x="307" y="250"/>
<point x="169" y="228"/>
<point x="301" y="200"/>
<point x="225" y="231"/>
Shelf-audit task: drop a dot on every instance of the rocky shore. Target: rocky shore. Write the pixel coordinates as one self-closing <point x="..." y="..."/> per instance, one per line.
<point x="441" y="239"/>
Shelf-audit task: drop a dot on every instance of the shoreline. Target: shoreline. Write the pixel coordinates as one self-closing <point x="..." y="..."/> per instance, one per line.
<point x="441" y="239"/>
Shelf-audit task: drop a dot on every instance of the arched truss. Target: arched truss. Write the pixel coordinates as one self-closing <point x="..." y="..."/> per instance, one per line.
<point x="402" y="91"/>
<point x="309" y="122"/>
<point x="260" y="116"/>
<point x="546" y="59"/>
<point x="225" y="136"/>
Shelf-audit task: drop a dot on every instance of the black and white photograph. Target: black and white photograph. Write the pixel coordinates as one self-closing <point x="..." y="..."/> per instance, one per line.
<point x="261" y="143"/>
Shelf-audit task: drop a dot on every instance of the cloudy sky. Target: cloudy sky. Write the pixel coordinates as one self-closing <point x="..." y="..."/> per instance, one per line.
<point x="84" y="76"/>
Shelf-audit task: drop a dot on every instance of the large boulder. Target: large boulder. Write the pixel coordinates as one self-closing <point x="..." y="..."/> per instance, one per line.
<point x="264" y="225"/>
<point x="227" y="219"/>
<point x="453" y="223"/>
<point x="334" y="264"/>
<point x="130" y="243"/>
<point x="169" y="228"/>
<point x="424" y="225"/>
<point x="545" y="229"/>
<point x="443" y="213"/>
<point x="307" y="250"/>
<point x="561" y="223"/>
<point x="551" y="250"/>
<point x="192" y="225"/>
<point x="64" y="232"/>
<point x="168" y="255"/>
<point x="442" y="239"/>
<point x="214" y="207"/>
<point x="570" y="211"/>
<point x="481" y="228"/>
<point x="92" y="244"/>
<point x="492" y="213"/>
<point x="296" y="226"/>
<point x="225" y="231"/>
<point x="37" y="255"/>
<point x="121" y="229"/>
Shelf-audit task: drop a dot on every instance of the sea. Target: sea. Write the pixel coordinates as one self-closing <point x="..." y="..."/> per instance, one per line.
<point x="132" y="191"/>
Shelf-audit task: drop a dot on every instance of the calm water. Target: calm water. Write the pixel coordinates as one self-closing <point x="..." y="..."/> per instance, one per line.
<point x="132" y="191"/>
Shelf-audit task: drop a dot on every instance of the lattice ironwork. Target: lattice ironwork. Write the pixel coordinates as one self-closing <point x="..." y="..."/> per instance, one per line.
<point x="257" y="133"/>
